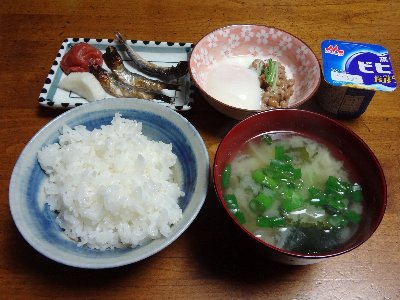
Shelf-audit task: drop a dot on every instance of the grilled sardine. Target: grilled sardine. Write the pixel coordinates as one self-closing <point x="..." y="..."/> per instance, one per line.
<point x="120" y="89"/>
<point x="114" y="61"/>
<point x="148" y="68"/>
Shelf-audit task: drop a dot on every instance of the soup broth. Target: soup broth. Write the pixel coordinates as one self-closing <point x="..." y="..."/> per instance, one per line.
<point x="292" y="193"/>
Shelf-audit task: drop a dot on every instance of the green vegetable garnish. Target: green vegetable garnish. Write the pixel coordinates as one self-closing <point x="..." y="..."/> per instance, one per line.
<point x="271" y="73"/>
<point x="356" y="193"/>
<point x="261" y="178"/>
<point x="334" y="204"/>
<point x="280" y="153"/>
<point x="280" y="182"/>
<point x="260" y="203"/>
<point x="353" y="217"/>
<point x="270" y="222"/>
<point x="316" y="196"/>
<point x="336" y="221"/>
<point x="258" y="176"/>
<point x="300" y="152"/>
<point x="239" y="216"/>
<point x="336" y="186"/>
<point x="292" y="201"/>
<point x="231" y="203"/>
<point x="266" y="138"/>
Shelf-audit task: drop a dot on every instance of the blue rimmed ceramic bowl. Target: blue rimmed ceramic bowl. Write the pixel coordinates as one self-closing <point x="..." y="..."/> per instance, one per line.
<point x="37" y="223"/>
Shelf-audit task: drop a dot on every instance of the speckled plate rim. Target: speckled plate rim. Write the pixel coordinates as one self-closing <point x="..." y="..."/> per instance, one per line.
<point x="165" y="53"/>
<point x="28" y="158"/>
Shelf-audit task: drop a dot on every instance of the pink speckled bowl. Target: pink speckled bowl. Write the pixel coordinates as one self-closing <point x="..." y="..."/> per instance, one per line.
<point x="258" y="41"/>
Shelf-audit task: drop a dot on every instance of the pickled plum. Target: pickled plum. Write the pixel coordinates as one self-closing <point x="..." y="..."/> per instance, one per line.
<point x="80" y="57"/>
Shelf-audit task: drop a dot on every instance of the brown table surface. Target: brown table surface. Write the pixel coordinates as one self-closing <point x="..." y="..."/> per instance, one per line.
<point x="209" y="259"/>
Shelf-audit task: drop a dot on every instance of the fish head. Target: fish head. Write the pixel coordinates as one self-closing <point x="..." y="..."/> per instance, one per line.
<point x="112" y="58"/>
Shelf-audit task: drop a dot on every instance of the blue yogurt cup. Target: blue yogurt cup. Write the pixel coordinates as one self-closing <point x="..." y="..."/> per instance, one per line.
<point x="353" y="72"/>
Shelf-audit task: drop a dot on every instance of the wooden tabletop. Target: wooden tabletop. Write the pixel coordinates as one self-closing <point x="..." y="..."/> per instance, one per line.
<point x="209" y="260"/>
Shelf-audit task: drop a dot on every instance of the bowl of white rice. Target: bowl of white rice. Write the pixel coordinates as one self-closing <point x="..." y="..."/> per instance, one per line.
<point x="109" y="183"/>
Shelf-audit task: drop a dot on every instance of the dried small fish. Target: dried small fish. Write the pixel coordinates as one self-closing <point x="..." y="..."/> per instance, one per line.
<point x="114" y="61"/>
<point x="120" y="89"/>
<point x="148" y="68"/>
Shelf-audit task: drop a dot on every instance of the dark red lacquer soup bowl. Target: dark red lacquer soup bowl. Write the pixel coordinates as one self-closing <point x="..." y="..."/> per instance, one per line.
<point x="342" y="144"/>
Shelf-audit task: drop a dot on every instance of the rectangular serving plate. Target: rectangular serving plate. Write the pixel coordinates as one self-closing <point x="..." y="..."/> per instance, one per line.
<point x="160" y="53"/>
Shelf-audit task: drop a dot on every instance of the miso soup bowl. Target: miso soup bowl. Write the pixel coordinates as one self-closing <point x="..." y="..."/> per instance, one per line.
<point x="255" y="41"/>
<point x="343" y="144"/>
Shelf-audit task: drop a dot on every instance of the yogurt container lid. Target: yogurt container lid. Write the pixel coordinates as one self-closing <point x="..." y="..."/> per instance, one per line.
<point x="358" y="65"/>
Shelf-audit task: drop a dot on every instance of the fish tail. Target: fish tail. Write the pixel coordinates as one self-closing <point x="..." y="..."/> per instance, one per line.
<point x="137" y="60"/>
<point x="163" y="97"/>
<point x="182" y="67"/>
<point x="120" y="38"/>
<point x="172" y="86"/>
<point x="151" y="69"/>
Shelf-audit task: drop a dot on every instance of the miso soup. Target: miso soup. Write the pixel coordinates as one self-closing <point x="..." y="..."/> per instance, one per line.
<point x="292" y="193"/>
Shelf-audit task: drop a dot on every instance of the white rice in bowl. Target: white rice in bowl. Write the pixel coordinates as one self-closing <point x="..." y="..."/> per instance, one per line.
<point x="111" y="187"/>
